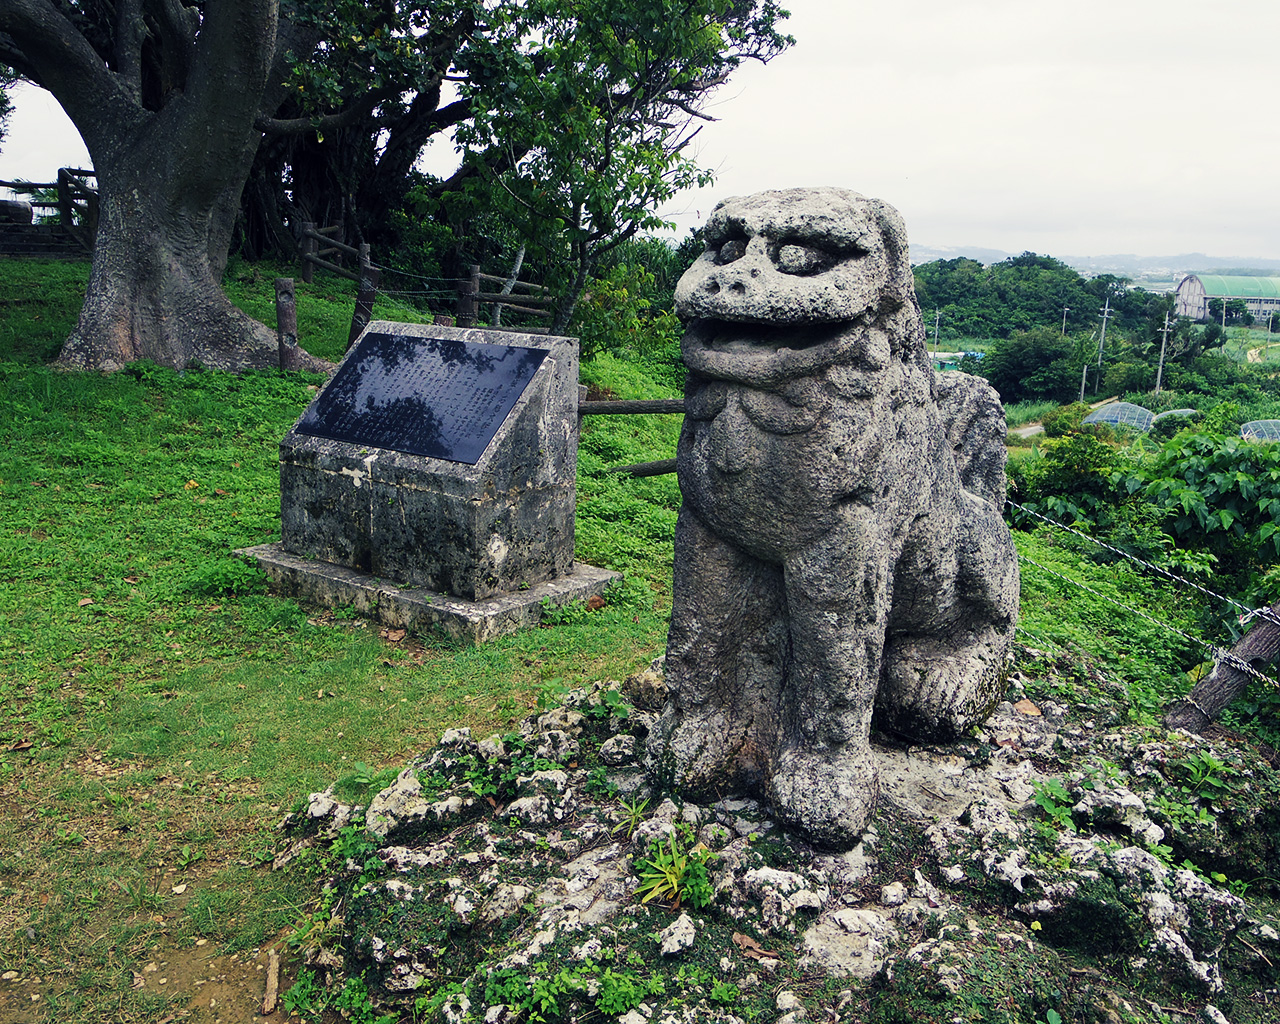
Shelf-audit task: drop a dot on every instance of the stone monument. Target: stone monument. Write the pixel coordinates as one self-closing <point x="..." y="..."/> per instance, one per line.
<point x="438" y="468"/>
<point x="840" y="549"/>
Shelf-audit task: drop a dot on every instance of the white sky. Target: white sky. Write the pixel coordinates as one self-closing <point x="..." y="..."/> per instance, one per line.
<point x="1081" y="128"/>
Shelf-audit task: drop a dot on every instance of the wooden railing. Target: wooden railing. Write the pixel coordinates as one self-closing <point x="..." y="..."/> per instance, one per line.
<point x="76" y="201"/>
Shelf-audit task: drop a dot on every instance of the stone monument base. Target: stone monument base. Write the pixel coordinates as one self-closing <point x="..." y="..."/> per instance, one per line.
<point x="419" y="609"/>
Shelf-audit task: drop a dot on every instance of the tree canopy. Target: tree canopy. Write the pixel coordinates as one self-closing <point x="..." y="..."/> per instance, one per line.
<point x="1024" y="292"/>
<point x="572" y="120"/>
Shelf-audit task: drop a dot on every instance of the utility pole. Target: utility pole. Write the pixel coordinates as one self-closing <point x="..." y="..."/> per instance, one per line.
<point x="1102" y="340"/>
<point x="1164" y="338"/>
<point x="1065" y="311"/>
<point x="937" y="319"/>
<point x="1084" y="370"/>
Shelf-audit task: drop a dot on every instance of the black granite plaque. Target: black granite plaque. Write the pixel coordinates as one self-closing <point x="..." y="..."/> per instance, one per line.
<point x="437" y="397"/>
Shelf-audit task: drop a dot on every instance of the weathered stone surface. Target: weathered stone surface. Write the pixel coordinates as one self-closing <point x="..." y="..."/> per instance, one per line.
<point x="840" y="549"/>
<point x="678" y="936"/>
<point x="991" y="893"/>
<point x="416" y="608"/>
<point x="469" y="530"/>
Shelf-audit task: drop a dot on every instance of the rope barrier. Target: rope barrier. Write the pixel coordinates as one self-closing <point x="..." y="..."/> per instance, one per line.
<point x="409" y="273"/>
<point x="1219" y="653"/>
<point x="426" y="292"/>
<point x="1247" y="613"/>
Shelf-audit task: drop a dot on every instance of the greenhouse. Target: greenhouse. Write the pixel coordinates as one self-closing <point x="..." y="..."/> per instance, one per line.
<point x="1122" y="414"/>
<point x="1261" y="295"/>
<point x="1126" y="414"/>
<point x="1261" y="430"/>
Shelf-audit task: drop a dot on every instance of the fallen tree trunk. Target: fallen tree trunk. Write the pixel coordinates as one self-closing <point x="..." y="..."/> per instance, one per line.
<point x="1228" y="680"/>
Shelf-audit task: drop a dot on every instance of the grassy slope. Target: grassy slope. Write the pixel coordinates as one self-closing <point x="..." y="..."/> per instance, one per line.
<point x="133" y="640"/>
<point x="153" y="699"/>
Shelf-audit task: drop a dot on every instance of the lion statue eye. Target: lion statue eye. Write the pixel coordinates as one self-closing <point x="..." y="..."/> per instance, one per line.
<point x="734" y="249"/>
<point x="803" y="260"/>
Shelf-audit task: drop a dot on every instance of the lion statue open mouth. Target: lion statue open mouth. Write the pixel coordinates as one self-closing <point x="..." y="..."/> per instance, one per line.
<point x="840" y="549"/>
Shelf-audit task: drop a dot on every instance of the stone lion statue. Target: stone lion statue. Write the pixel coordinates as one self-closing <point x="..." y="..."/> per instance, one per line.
<point x="840" y="550"/>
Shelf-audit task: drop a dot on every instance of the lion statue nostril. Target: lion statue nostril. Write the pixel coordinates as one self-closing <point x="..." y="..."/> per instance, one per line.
<point x="713" y="287"/>
<point x="738" y="288"/>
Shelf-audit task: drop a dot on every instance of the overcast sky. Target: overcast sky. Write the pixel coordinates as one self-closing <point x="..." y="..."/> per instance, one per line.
<point x="1081" y="128"/>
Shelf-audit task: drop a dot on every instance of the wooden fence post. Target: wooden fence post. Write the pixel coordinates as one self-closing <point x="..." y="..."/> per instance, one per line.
<point x="64" y="199"/>
<point x="308" y="249"/>
<point x="468" y="288"/>
<point x="286" y="323"/>
<point x="369" y="277"/>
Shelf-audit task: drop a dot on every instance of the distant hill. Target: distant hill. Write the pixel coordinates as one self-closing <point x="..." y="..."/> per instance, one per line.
<point x="929" y="253"/>
<point x="1151" y="272"/>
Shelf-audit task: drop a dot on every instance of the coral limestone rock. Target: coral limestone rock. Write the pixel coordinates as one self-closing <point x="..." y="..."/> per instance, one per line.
<point x="840" y="549"/>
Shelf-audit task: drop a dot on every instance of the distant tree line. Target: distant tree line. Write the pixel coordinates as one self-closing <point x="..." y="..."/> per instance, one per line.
<point x="1023" y="292"/>
<point x="1045" y="319"/>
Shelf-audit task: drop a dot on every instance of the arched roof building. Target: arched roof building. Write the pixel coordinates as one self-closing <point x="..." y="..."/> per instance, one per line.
<point x="1261" y="294"/>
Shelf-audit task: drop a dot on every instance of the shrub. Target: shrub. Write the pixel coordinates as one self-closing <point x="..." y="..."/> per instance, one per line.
<point x="1065" y="419"/>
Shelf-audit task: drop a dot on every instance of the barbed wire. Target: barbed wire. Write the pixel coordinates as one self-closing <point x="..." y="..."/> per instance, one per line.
<point x="1248" y="613"/>
<point x="1042" y="640"/>
<point x="1219" y="653"/>
<point x="409" y="273"/>
<point x="427" y="293"/>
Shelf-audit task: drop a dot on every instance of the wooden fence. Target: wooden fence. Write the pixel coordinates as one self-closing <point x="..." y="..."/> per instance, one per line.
<point x="76" y="201"/>
<point x="517" y="296"/>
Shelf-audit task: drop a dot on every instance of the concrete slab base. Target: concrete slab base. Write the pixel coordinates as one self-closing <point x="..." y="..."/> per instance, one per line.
<point x="332" y="586"/>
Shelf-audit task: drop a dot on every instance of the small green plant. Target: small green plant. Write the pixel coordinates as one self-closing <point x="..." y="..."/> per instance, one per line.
<point x="1202" y="775"/>
<point x="551" y="693"/>
<point x="306" y="997"/>
<point x="187" y="856"/>
<point x="610" y="705"/>
<point x="142" y="896"/>
<point x="598" y="784"/>
<point x="225" y="577"/>
<point x="633" y="810"/>
<point x="478" y="776"/>
<point x="620" y="992"/>
<point x="571" y="613"/>
<point x="725" y="993"/>
<point x="1051" y="796"/>
<point x="262" y="854"/>
<point x="674" y="873"/>
<point x="355" y="1006"/>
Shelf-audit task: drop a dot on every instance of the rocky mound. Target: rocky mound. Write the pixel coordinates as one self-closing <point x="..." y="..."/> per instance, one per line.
<point x="1049" y="869"/>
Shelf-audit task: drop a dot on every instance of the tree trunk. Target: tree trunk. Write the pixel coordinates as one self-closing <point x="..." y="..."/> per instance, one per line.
<point x="170" y="165"/>
<point x="1260" y="646"/>
<point x="154" y="291"/>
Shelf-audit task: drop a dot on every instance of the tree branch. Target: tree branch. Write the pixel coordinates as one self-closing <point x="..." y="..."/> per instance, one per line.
<point x="131" y="30"/>
<point x="56" y="55"/>
<point x="326" y="122"/>
<point x="176" y="27"/>
<point x="211" y="120"/>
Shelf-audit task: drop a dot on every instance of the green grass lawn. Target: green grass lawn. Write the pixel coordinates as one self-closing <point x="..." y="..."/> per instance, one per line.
<point x="154" y="699"/>
<point x="159" y="710"/>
